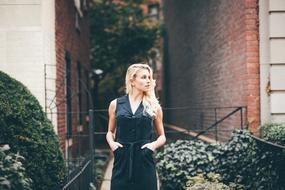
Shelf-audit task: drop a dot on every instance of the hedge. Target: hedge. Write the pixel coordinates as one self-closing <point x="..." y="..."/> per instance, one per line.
<point x="13" y="174"/>
<point x="242" y="160"/>
<point x="274" y="132"/>
<point x="25" y="127"/>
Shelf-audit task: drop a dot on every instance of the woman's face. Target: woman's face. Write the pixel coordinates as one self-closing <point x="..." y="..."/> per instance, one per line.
<point x="142" y="81"/>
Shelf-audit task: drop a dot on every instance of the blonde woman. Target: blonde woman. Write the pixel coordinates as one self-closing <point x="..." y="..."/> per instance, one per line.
<point x="132" y="120"/>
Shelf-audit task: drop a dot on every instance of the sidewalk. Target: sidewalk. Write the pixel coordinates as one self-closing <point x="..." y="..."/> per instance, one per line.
<point x="107" y="177"/>
<point x="106" y="184"/>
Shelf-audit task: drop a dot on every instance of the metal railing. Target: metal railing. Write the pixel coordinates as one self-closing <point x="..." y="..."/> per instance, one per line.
<point x="270" y="145"/>
<point x="212" y="122"/>
<point x="79" y="156"/>
<point x="81" y="177"/>
<point x="188" y="122"/>
<point x="215" y="124"/>
<point x="80" y="159"/>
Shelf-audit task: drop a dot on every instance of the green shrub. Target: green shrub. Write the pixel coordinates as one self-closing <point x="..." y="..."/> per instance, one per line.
<point x="241" y="160"/>
<point x="181" y="159"/>
<point x="25" y="127"/>
<point x="13" y="174"/>
<point x="236" y="158"/>
<point x="274" y="132"/>
<point x="245" y="161"/>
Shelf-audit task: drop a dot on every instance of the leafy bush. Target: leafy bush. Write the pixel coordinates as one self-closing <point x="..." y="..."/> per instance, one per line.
<point x="210" y="181"/>
<point x="25" y="127"/>
<point x="250" y="163"/>
<point x="274" y="132"/>
<point x="13" y="175"/>
<point x="236" y="157"/>
<point x="241" y="160"/>
<point x="182" y="159"/>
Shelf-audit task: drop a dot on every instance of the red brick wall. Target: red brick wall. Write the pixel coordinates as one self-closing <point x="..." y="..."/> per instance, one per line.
<point x="211" y="60"/>
<point x="252" y="63"/>
<point x="77" y="44"/>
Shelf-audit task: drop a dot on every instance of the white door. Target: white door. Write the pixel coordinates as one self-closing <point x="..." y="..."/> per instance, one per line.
<point x="272" y="60"/>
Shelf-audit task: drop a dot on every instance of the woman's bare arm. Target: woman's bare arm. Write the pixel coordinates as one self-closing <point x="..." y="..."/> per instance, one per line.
<point x="110" y="136"/>
<point x="160" y="141"/>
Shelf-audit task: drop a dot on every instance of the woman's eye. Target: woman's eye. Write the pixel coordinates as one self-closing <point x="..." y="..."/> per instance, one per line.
<point x="145" y="77"/>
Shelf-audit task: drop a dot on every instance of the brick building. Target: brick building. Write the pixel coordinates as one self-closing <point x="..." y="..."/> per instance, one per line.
<point x="222" y="54"/>
<point x="45" y="45"/>
<point x="73" y="67"/>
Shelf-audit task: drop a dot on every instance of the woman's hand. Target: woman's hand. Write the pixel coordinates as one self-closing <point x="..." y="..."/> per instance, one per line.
<point x="150" y="146"/>
<point x="114" y="145"/>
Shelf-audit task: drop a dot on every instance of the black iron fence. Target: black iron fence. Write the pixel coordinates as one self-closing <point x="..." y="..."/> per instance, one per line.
<point x="81" y="176"/>
<point x="80" y="156"/>
<point x="238" y="110"/>
<point x="212" y="122"/>
<point x="78" y="140"/>
<point x="215" y="123"/>
<point x="80" y="159"/>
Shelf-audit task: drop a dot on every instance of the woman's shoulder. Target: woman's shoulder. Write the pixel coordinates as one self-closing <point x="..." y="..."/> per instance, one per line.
<point x="119" y="100"/>
<point x="113" y="102"/>
<point x="112" y="106"/>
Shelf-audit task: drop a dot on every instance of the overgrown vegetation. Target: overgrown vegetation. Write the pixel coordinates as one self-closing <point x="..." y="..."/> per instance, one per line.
<point x="25" y="127"/>
<point x="13" y="174"/>
<point x="242" y="160"/>
<point x="182" y="159"/>
<point x="274" y="132"/>
<point x="121" y="34"/>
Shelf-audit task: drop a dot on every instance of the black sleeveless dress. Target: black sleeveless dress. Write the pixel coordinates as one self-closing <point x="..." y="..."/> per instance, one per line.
<point x="134" y="168"/>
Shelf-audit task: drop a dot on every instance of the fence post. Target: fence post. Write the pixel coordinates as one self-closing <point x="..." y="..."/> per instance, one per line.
<point x="216" y="126"/>
<point x="91" y="144"/>
<point x="241" y="118"/>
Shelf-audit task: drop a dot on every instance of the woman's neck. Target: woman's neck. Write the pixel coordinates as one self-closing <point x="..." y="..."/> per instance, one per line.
<point x="136" y="96"/>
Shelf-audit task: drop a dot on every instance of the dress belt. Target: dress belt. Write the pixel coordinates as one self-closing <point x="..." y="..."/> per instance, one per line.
<point x="131" y="154"/>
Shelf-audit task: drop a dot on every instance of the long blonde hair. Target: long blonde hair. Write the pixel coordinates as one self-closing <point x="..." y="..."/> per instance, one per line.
<point x="149" y="100"/>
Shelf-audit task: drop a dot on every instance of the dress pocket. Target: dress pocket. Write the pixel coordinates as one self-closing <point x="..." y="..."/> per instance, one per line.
<point x="118" y="154"/>
<point x="116" y="150"/>
<point x="148" y="156"/>
<point x="149" y="150"/>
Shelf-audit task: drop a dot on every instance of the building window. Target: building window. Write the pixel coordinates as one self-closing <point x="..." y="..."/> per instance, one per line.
<point x="68" y="95"/>
<point x="153" y="11"/>
<point x="77" y="4"/>
<point x="88" y="106"/>
<point x="79" y="95"/>
<point x="78" y="15"/>
<point x="77" y="24"/>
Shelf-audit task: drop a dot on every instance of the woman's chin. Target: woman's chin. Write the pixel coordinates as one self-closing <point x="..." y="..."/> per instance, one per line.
<point x="147" y="90"/>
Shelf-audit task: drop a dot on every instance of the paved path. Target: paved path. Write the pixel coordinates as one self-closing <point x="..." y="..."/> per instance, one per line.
<point x="107" y="177"/>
